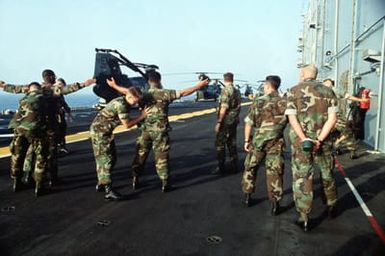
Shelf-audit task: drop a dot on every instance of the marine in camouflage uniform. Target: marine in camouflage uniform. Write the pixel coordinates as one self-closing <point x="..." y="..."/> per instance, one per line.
<point x="102" y="137"/>
<point x="227" y="122"/>
<point x="154" y="128"/>
<point x="154" y="133"/>
<point x="29" y="127"/>
<point x="266" y="116"/>
<point x="52" y="95"/>
<point x="311" y="108"/>
<point x="342" y="133"/>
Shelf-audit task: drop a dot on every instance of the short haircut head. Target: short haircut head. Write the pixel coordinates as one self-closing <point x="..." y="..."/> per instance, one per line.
<point x="310" y="71"/>
<point x="62" y="81"/>
<point x="275" y="81"/>
<point x="228" y="77"/>
<point x="154" y="76"/>
<point x="135" y="92"/>
<point x="329" y="80"/>
<point x="47" y="72"/>
<point x="35" y="85"/>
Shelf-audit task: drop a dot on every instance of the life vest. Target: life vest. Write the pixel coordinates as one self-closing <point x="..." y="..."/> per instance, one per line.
<point x="365" y="95"/>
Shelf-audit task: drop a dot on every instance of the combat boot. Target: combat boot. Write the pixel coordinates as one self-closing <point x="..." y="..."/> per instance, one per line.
<point x="100" y="188"/>
<point x="26" y="178"/>
<point x="332" y="211"/>
<point x="220" y="169"/>
<point x="247" y="200"/>
<point x="111" y="195"/>
<point x="17" y="184"/>
<point x="234" y="166"/>
<point x="39" y="189"/>
<point x="135" y="182"/>
<point x="166" y="187"/>
<point x="353" y="155"/>
<point x="275" y="207"/>
<point x="303" y="223"/>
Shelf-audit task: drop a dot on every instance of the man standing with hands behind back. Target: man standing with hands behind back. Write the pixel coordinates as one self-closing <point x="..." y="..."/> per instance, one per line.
<point x="312" y="112"/>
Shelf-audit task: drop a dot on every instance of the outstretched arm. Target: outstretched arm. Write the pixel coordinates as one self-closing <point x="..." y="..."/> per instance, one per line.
<point x="73" y="87"/>
<point x="198" y="86"/>
<point x="353" y="98"/>
<point x="10" y="88"/>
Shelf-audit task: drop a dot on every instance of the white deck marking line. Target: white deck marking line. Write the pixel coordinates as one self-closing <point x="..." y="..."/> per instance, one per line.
<point x="372" y="220"/>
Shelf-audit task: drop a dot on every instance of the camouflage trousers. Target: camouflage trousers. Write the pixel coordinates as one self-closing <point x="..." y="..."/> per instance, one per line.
<point x="160" y="144"/>
<point x="274" y="165"/>
<point x="19" y="147"/>
<point x="52" y="165"/>
<point x="302" y="164"/>
<point x="103" y="145"/>
<point x="227" y="136"/>
<point x="343" y="136"/>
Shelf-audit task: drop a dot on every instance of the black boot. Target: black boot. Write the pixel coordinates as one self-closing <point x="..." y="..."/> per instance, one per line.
<point x="100" y="188"/>
<point x="303" y="223"/>
<point x="353" y="155"/>
<point x="220" y="169"/>
<point x="323" y="198"/>
<point x="17" y="185"/>
<point x="39" y="189"/>
<point x="332" y="211"/>
<point x="234" y="166"/>
<point x="111" y="195"/>
<point x="54" y="180"/>
<point x="135" y="182"/>
<point x="166" y="187"/>
<point x="26" y="178"/>
<point x="247" y="201"/>
<point x="275" y="207"/>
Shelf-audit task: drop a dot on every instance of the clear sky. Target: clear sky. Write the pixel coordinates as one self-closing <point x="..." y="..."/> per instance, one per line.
<point x="252" y="38"/>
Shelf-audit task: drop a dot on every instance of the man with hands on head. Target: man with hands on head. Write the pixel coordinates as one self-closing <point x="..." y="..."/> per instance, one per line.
<point x="154" y="128"/>
<point x="116" y="112"/>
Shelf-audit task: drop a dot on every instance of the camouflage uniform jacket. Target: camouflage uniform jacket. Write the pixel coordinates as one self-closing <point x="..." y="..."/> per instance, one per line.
<point x="158" y="100"/>
<point x="230" y="98"/>
<point x="109" y="117"/>
<point x="267" y="116"/>
<point x="52" y="98"/>
<point x="48" y="89"/>
<point x="342" y="102"/>
<point x="29" y="119"/>
<point x="311" y="102"/>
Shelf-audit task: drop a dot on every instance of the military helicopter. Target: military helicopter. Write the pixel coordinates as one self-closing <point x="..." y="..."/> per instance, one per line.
<point x="107" y="65"/>
<point x="251" y="88"/>
<point x="212" y="91"/>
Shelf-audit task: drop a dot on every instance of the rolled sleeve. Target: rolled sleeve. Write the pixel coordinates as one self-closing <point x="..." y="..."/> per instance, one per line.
<point x="290" y="111"/>
<point x="333" y="110"/>
<point x="291" y="108"/>
<point x="124" y="116"/>
<point x="249" y="121"/>
<point x="177" y="94"/>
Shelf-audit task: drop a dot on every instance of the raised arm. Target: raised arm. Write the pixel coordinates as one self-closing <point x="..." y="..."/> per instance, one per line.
<point x="10" y="88"/>
<point x="120" y="89"/>
<point x="356" y="99"/>
<point x="58" y="90"/>
<point x="199" y="85"/>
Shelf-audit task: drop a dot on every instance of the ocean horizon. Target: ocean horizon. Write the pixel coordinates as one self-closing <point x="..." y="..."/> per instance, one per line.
<point x="11" y="101"/>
